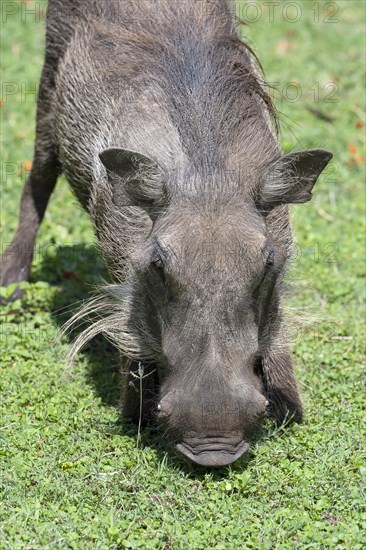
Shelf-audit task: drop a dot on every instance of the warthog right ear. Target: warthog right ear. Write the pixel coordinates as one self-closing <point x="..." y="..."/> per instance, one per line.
<point x="292" y="177"/>
<point x="136" y="179"/>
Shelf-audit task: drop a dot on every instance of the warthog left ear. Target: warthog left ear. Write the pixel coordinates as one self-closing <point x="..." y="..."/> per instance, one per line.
<point x="292" y="177"/>
<point x="136" y="179"/>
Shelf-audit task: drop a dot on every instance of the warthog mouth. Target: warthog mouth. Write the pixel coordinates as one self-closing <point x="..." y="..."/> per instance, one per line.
<point x="213" y="453"/>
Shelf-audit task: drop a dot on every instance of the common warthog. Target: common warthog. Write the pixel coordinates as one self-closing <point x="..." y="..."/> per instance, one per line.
<point x="154" y="111"/>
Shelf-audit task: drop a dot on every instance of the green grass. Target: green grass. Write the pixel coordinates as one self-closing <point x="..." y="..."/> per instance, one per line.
<point x="72" y="475"/>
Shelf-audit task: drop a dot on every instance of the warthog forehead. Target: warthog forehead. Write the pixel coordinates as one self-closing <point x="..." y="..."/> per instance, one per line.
<point x="212" y="261"/>
<point x="208" y="238"/>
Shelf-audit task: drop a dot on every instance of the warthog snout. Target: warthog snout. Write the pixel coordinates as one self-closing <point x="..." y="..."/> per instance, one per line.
<point x="210" y="430"/>
<point x="213" y="452"/>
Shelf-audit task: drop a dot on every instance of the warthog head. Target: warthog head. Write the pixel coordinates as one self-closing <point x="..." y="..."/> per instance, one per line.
<point x="200" y="302"/>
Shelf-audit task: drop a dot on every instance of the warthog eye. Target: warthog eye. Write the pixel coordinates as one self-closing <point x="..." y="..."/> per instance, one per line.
<point x="158" y="266"/>
<point x="270" y="260"/>
<point x="269" y="264"/>
<point x="158" y="263"/>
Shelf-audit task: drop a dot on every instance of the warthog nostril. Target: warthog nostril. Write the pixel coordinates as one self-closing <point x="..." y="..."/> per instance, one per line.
<point x="165" y="408"/>
<point x="262" y="400"/>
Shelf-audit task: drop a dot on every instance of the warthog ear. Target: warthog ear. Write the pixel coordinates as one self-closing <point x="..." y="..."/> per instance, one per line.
<point x="136" y="179"/>
<point x="292" y="177"/>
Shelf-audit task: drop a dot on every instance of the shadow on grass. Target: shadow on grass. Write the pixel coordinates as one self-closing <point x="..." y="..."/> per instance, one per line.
<point x="78" y="270"/>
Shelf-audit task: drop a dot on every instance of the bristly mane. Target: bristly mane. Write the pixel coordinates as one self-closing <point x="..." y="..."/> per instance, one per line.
<point x="191" y="54"/>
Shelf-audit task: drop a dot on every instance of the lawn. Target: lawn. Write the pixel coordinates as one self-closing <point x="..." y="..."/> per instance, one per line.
<point x="72" y="472"/>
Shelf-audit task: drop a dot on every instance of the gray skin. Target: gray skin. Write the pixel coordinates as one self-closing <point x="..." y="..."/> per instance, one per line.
<point x="156" y="114"/>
